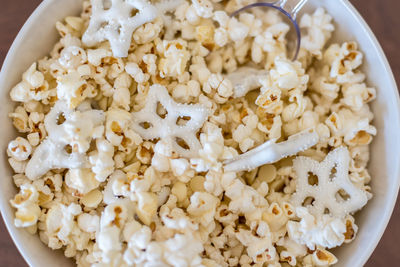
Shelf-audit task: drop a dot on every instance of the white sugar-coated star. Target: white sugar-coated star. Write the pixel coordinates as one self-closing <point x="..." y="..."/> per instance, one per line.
<point x="114" y="22"/>
<point x="149" y="125"/>
<point x="77" y="130"/>
<point x="326" y="191"/>
<point x="271" y="152"/>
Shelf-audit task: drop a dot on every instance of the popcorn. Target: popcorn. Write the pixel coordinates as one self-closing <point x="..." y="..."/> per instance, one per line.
<point x="83" y="180"/>
<point x="203" y="8"/>
<point x="20" y="119"/>
<point x="212" y="150"/>
<point x="96" y="56"/>
<point x="221" y="37"/>
<point x="325" y="231"/>
<point x="60" y="223"/>
<point x="102" y="160"/>
<point x="92" y="199"/>
<point x="117" y="126"/>
<point x="72" y="57"/>
<point x="147" y="207"/>
<point x="354" y="128"/>
<point x="202" y="207"/>
<point x="175" y="58"/>
<point x="220" y="88"/>
<point x="32" y="87"/>
<point x="356" y="95"/>
<point x="344" y="60"/>
<point x="19" y="149"/>
<point x="136" y="73"/>
<point x="132" y="161"/>
<point x="319" y="29"/>
<point x="291" y="251"/>
<point x="73" y="89"/>
<point x="243" y="132"/>
<point x="88" y="223"/>
<point x="259" y="249"/>
<point x="237" y="30"/>
<point x="244" y="198"/>
<point x="149" y="31"/>
<point x="184" y="93"/>
<point x="26" y="203"/>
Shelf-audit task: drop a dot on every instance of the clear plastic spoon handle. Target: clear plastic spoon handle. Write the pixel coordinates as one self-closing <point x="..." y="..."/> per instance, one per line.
<point x="291" y="6"/>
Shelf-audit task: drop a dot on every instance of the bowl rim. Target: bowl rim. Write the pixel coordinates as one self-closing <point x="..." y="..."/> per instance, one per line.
<point x="378" y="233"/>
<point x="370" y="247"/>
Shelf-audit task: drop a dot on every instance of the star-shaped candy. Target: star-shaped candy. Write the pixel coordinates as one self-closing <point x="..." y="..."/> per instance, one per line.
<point x="271" y="152"/>
<point x="77" y="131"/>
<point x="114" y="22"/>
<point x="182" y="136"/>
<point x="332" y="192"/>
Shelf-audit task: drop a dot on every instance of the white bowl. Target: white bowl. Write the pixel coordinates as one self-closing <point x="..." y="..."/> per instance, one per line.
<point x="38" y="36"/>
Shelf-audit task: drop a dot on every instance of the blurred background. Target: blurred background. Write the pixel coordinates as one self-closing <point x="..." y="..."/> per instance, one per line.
<point x="382" y="17"/>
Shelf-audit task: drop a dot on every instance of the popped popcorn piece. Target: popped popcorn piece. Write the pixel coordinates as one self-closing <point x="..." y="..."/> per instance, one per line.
<point x="175" y="58"/>
<point x="243" y="134"/>
<point x="203" y="8"/>
<point x="244" y="199"/>
<point x="219" y="88"/>
<point x="32" y="87"/>
<point x="291" y="251"/>
<point x="26" y="203"/>
<point x="118" y="131"/>
<point x="88" y="223"/>
<point x="312" y="231"/>
<point x="333" y="189"/>
<point x="119" y="23"/>
<point x="82" y="180"/>
<point x="19" y="149"/>
<point x="167" y="127"/>
<point x="72" y="57"/>
<point x="260" y="249"/>
<point x="73" y="89"/>
<point x="60" y="224"/>
<point x="319" y="29"/>
<point x="102" y="160"/>
<point x="212" y="151"/>
<point x="202" y="207"/>
<point x="147" y="206"/>
<point x="355" y="128"/>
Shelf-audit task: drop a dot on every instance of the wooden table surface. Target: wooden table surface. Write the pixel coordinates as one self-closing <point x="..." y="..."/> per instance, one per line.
<point x="383" y="18"/>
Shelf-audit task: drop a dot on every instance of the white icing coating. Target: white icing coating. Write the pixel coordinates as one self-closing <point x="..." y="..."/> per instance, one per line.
<point x="245" y="79"/>
<point x="77" y="130"/>
<point x="325" y="192"/>
<point x="271" y="152"/>
<point x="167" y="128"/>
<point x="51" y="155"/>
<point x="120" y="25"/>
